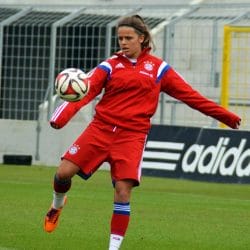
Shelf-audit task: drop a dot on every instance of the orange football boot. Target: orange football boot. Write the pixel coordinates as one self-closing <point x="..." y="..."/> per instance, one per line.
<point x="52" y="218"/>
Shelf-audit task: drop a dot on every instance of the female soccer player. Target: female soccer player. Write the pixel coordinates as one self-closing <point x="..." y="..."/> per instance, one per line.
<point x="132" y="80"/>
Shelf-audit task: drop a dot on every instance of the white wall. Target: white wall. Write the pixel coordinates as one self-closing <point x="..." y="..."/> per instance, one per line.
<point x="14" y="132"/>
<point x="20" y="138"/>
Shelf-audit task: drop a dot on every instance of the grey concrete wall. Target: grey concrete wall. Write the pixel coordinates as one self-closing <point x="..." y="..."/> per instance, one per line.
<point x="20" y="138"/>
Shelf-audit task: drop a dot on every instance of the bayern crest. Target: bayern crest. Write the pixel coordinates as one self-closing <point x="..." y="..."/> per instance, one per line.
<point x="148" y="65"/>
<point x="73" y="149"/>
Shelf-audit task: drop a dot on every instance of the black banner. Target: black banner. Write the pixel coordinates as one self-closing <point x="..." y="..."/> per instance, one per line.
<point x="217" y="155"/>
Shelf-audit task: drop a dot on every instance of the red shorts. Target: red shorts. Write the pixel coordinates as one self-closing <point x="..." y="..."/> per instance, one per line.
<point x="100" y="142"/>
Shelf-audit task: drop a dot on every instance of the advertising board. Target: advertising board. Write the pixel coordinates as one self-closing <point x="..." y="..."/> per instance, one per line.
<point x="218" y="155"/>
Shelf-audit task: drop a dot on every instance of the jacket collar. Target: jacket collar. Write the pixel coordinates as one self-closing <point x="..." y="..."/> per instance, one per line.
<point x="142" y="54"/>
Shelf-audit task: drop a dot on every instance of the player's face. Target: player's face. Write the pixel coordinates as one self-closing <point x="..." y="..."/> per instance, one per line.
<point x="129" y="41"/>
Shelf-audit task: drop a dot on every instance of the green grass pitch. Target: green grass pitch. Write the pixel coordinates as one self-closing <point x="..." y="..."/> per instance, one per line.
<point x="166" y="214"/>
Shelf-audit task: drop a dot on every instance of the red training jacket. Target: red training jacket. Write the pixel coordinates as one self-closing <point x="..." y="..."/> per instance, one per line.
<point x="131" y="93"/>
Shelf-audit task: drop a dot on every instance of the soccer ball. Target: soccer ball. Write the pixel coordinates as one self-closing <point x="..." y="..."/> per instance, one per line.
<point x="71" y="84"/>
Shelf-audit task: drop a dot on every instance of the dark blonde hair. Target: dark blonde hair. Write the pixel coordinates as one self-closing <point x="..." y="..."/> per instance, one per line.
<point x="140" y="27"/>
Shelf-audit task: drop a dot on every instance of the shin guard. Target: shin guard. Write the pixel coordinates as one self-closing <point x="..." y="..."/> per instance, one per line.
<point x="61" y="186"/>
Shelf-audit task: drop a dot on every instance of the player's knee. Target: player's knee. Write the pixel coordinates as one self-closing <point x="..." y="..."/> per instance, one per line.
<point x="66" y="169"/>
<point x="123" y="191"/>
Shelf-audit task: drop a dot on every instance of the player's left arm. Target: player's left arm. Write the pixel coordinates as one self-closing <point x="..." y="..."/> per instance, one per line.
<point x="174" y="85"/>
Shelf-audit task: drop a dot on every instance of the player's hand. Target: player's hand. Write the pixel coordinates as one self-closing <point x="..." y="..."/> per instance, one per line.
<point x="54" y="125"/>
<point x="237" y="125"/>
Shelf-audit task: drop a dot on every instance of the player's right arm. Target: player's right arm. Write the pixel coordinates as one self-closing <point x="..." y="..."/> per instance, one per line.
<point x="67" y="110"/>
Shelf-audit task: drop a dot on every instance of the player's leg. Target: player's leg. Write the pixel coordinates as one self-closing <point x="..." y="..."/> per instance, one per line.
<point x="125" y="160"/>
<point x="88" y="152"/>
<point x="121" y="212"/>
<point x="62" y="184"/>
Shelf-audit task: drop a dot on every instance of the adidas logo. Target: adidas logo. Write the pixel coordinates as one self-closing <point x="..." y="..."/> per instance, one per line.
<point x="162" y="155"/>
<point x="119" y="66"/>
